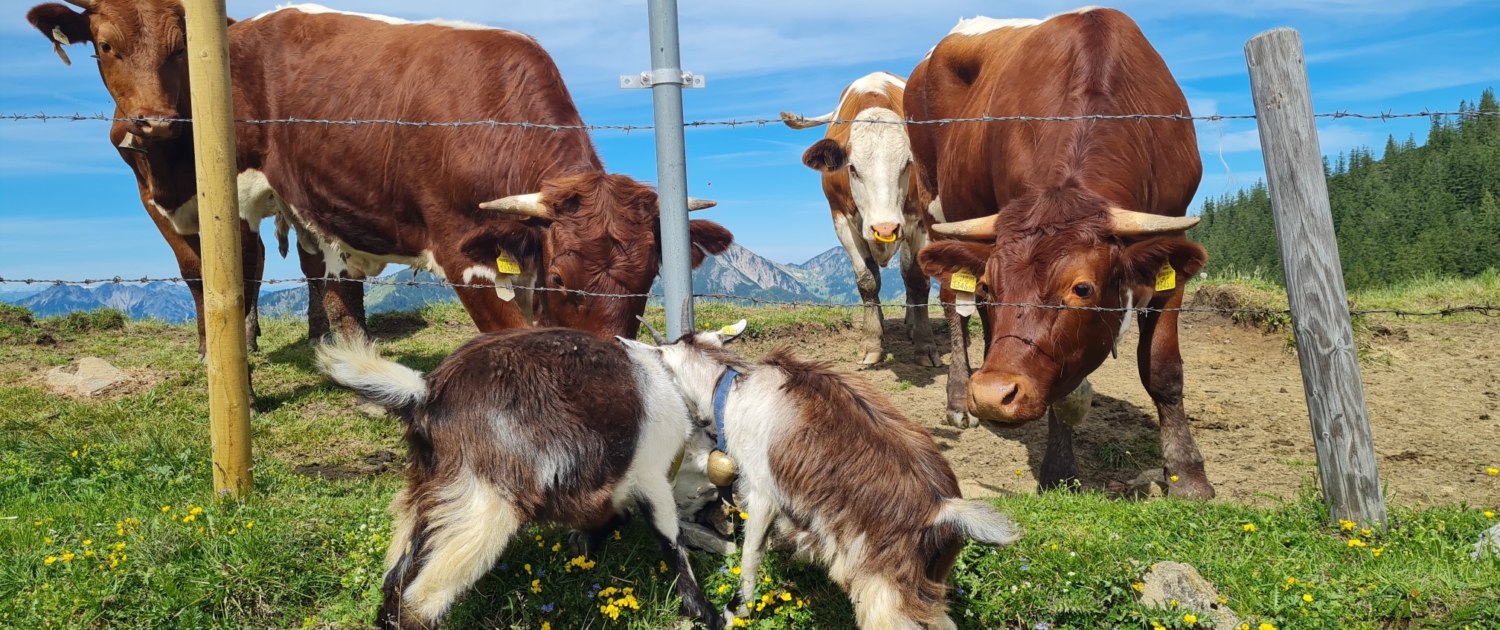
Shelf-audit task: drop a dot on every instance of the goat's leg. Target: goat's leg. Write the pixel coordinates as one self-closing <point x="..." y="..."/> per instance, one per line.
<point x="878" y="604"/>
<point x="589" y="542"/>
<point x="761" y="513"/>
<point x="655" y="500"/>
<point x="449" y="547"/>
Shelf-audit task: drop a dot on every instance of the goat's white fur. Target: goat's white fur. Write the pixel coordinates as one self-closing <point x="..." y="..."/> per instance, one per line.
<point x="354" y="362"/>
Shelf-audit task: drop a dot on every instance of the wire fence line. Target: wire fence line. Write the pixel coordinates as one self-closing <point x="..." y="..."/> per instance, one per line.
<point x="733" y="123"/>
<point x="1488" y="310"/>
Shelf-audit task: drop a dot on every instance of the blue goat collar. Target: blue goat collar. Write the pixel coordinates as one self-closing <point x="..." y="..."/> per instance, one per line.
<point x="721" y="396"/>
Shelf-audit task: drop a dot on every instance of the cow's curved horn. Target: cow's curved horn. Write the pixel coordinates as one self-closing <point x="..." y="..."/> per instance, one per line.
<point x="695" y="204"/>
<point x="527" y="205"/>
<point x="85" y="4"/>
<point x="1131" y="223"/>
<point x="982" y="228"/>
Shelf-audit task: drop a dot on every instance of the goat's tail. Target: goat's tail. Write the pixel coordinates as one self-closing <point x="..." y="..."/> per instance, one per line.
<point x="979" y="521"/>
<point x="353" y="362"/>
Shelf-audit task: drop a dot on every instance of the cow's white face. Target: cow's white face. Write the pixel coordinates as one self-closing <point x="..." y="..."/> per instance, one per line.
<point x="879" y="172"/>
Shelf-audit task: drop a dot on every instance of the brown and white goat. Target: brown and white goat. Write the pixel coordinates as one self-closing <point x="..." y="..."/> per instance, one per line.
<point x="546" y="426"/>
<point x="849" y="481"/>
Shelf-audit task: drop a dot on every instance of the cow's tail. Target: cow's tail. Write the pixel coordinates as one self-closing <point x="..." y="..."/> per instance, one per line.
<point x="353" y="362"/>
<point x="282" y="229"/>
<point x="979" y="521"/>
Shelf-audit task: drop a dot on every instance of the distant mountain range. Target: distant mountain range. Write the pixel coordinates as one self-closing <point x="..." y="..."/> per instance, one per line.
<point x="827" y="277"/>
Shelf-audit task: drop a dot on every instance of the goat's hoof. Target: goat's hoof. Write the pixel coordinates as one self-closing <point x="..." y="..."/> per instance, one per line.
<point x="871" y="358"/>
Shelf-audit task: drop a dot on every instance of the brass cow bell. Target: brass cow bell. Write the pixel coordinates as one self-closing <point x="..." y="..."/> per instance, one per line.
<point x="721" y="469"/>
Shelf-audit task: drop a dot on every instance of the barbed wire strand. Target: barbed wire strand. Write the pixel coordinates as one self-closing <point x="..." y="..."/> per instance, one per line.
<point x="1488" y="310"/>
<point x="758" y="122"/>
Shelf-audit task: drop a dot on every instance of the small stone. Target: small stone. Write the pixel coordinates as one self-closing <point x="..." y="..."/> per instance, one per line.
<point x="1169" y="581"/>
<point x="1488" y="545"/>
<point x="89" y="377"/>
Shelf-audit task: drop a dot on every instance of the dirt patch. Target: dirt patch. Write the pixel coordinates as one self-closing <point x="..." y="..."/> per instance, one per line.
<point x="1432" y="388"/>
<point x="370" y="465"/>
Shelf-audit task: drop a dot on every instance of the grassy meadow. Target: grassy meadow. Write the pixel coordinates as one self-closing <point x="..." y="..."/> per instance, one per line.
<point x="108" y="520"/>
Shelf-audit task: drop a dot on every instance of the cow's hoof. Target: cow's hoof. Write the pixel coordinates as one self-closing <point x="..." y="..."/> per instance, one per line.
<point x="871" y="358"/>
<point x="962" y="419"/>
<point x="929" y="357"/>
<point x="1189" y="488"/>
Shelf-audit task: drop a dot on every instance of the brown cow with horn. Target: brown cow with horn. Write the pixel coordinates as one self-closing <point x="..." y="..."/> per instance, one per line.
<point x="1083" y="213"/>
<point x="362" y="196"/>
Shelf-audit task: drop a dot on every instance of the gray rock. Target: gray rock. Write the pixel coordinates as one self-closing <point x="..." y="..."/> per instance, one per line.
<point x="1488" y="545"/>
<point x="89" y="377"/>
<point x="1174" y="581"/>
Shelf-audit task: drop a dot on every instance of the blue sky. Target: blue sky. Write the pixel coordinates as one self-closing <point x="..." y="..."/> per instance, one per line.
<point x="69" y="208"/>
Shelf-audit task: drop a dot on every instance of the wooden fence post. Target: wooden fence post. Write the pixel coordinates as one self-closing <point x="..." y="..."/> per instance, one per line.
<point x="219" y="221"/>
<point x="1314" y="277"/>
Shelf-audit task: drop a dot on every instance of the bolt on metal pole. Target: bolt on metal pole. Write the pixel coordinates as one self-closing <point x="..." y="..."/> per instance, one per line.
<point x="223" y="273"/>
<point x="671" y="167"/>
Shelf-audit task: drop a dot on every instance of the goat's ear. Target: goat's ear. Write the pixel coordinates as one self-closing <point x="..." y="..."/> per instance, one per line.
<point x="718" y="338"/>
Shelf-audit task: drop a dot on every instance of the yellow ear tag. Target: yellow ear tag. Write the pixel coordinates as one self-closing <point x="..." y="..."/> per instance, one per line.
<point x="504" y="265"/>
<point x="963" y="282"/>
<point x="1166" y="279"/>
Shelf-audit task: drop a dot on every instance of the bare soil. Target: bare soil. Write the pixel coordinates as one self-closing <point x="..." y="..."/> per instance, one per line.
<point x="1433" y="391"/>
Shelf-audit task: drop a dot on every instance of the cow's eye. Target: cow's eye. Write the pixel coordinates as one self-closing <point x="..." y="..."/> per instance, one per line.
<point x="105" y="48"/>
<point x="853" y="172"/>
<point x="555" y="280"/>
<point x="177" y="53"/>
<point x="1083" y="290"/>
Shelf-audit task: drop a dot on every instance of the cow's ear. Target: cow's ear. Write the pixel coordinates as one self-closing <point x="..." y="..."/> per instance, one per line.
<point x="942" y="259"/>
<point x="518" y="242"/>
<point x="709" y="239"/>
<point x="825" y="155"/>
<point x="61" y="25"/>
<point x="229" y="21"/>
<point x="1145" y="263"/>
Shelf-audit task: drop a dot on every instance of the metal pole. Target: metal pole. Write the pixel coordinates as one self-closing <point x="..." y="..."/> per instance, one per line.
<point x="671" y="167"/>
<point x="1314" y="277"/>
<point x="219" y="220"/>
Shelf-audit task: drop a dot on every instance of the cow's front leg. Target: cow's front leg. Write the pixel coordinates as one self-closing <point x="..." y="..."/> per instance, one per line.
<point x="253" y="252"/>
<point x="958" y="365"/>
<point x="867" y="278"/>
<point x="924" y="351"/>
<point x="311" y="261"/>
<point x="1160" y="362"/>
<point x="1059" y="464"/>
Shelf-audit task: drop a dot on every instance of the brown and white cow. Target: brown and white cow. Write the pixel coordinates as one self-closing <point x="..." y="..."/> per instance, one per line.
<point x="363" y="196"/>
<point x="876" y="205"/>
<point x="1085" y="213"/>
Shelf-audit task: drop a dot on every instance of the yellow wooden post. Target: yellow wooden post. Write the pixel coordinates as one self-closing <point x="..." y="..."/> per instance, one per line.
<point x="219" y="221"/>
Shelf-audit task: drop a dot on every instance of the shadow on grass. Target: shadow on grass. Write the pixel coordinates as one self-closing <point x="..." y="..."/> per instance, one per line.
<point x="1115" y="442"/>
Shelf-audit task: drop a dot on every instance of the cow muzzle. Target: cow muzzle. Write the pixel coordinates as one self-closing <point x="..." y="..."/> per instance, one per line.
<point x="1005" y="398"/>
<point x="149" y="130"/>
<point x="885" y="232"/>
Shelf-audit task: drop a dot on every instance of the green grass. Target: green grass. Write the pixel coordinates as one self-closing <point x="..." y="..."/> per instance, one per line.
<point x="102" y="471"/>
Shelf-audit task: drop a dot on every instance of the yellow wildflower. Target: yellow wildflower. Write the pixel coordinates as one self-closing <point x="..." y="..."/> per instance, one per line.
<point x="119" y="545"/>
<point x="87" y="542"/>
<point x="88" y="554"/>
<point x="740" y="623"/>
<point x="663" y="567"/>
<point x="195" y="511"/>
<point x="785" y="596"/>
<point x="1355" y="542"/>
<point x="1365" y="532"/>
<point x="1290" y="581"/>
<point x="1174" y="478"/>
<point x="1307" y="597"/>
<point x="36" y="523"/>
<point x="47" y="540"/>
<point x="165" y="509"/>
<point x="1492" y="471"/>
<point x="1345" y="525"/>
<point x="1377" y="551"/>
<point x="527" y="567"/>
<point x="50" y="560"/>
<point x="766" y="579"/>
<point x="1489" y="514"/>
<point x="189" y="518"/>
<point x="546" y="626"/>
<point x="1018" y="473"/>
<point x="744" y="515"/>
<point x="536" y="586"/>
<point x="557" y="547"/>
<point x="617" y="534"/>
<point x="1174" y="603"/>
<point x="73" y="454"/>
<point x="1249" y="527"/>
<point x="230" y="532"/>
<point x="250" y="525"/>
<point x="1266" y="626"/>
<point x="1138" y="586"/>
<point x="1190" y="619"/>
<point x="735" y="570"/>
<point x="722" y="588"/>
<point x="68" y="556"/>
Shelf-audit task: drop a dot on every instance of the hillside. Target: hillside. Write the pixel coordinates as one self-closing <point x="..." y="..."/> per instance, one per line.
<point x="170" y="303"/>
<point x="1418" y="211"/>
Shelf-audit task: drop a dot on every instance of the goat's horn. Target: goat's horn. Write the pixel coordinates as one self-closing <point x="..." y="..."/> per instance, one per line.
<point x="527" y="205"/>
<point x="655" y="334"/>
<point x="982" y="228"/>
<point x="1131" y="223"/>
